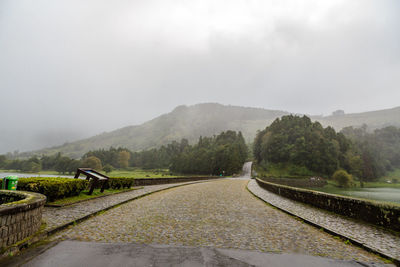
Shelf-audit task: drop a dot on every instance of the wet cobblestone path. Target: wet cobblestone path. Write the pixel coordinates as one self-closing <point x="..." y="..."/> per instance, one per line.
<point x="219" y="214"/>
<point x="376" y="238"/>
<point x="56" y="217"/>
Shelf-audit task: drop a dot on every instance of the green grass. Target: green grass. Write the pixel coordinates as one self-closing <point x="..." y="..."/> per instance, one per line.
<point x="141" y="173"/>
<point x="84" y="195"/>
<point x="283" y="171"/>
<point x="391" y="175"/>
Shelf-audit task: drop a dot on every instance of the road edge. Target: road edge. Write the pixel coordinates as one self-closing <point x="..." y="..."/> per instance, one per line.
<point x="327" y="230"/>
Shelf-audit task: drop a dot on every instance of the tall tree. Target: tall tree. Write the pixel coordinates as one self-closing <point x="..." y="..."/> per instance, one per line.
<point x="123" y="158"/>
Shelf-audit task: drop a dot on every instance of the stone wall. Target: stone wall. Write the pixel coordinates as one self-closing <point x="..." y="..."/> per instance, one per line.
<point x="19" y="219"/>
<point x="156" y="181"/>
<point x="7" y="198"/>
<point x="378" y="213"/>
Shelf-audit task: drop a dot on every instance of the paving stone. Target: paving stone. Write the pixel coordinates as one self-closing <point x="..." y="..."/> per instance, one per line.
<point x="369" y="235"/>
<point x="220" y="214"/>
<point x="55" y="217"/>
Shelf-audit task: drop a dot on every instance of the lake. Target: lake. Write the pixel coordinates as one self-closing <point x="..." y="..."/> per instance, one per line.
<point x="380" y="194"/>
<point x="26" y="175"/>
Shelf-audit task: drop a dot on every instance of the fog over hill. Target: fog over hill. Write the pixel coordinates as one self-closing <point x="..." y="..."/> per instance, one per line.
<point x="208" y="119"/>
<point x="70" y="70"/>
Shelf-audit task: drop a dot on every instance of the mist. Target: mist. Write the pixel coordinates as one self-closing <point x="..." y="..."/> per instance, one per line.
<point x="73" y="69"/>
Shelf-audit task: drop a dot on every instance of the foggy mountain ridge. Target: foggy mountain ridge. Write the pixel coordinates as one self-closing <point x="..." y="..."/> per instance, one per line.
<point x="207" y="119"/>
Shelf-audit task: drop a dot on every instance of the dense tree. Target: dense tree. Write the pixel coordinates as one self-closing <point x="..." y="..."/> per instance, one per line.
<point x="110" y="156"/>
<point x="123" y="158"/>
<point x="158" y="158"/>
<point x="297" y="141"/>
<point x="223" y="154"/>
<point x="342" y="178"/>
<point x="3" y="161"/>
<point x="108" y="168"/>
<point x="379" y="151"/>
<point x="92" y="162"/>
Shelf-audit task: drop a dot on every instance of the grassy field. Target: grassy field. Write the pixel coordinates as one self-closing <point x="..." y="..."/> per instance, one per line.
<point x="83" y="196"/>
<point x="392" y="175"/>
<point x="283" y="171"/>
<point x="129" y="173"/>
<point x="140" y="173"/>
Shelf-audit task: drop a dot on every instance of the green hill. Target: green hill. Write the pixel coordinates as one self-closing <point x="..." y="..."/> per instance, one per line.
<point x="183" y="122"/>
<point x="208" y="119"/>
<point x="374" y="119"/>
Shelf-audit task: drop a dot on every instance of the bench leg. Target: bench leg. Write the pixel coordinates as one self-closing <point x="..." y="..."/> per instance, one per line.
<point x="92" y="187"/>
<point x="103" y="185"/>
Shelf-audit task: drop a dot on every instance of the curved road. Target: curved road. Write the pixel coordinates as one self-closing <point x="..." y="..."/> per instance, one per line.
<point x="221" y="214"/>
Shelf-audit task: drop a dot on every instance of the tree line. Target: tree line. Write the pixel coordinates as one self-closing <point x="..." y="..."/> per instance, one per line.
<point x="221" y="154"/>
<point x="379" y="150"/>
<point x="293" y="142"/>
<point x="308" y="148"/>
<point x="224" y="154"/>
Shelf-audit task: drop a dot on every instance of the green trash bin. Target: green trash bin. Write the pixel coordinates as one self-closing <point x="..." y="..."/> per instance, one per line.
<point x="10" y="183"/>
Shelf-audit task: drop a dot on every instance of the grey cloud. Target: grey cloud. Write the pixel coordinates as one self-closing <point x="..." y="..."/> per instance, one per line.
<point x="80" y="68"/>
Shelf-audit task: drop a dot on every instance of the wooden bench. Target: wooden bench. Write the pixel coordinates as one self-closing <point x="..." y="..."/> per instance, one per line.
<point x="95" y="176"/>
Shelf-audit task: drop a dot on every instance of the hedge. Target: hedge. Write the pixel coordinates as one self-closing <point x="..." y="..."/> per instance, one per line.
<point x="119" y="183"/>
<point x="53" y="187"/>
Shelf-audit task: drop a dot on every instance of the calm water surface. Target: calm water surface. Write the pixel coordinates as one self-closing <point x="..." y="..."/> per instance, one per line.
<point x="25" y="175"/>
<point x="380" y="194"/>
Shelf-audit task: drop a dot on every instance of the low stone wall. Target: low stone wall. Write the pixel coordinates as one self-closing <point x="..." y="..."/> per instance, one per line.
<point x="297" y="182"/>
<point x="382" y="214"/>
<point x="21" y="217"/>
<point x="172" y="180"/>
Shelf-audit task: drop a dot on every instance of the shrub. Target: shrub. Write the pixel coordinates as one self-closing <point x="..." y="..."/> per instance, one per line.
<point x="119" y="183"/>
<point x="299" y="170"/>
<point x="53" y="187"/>
<point x="343" y="178"/>
<point x="108" y="168"/>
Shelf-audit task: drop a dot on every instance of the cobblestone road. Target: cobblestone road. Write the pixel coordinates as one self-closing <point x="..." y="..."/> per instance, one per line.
<point x="219" y="214"/>
<point x="373" y="237"/>
<point x="56" y="217"/>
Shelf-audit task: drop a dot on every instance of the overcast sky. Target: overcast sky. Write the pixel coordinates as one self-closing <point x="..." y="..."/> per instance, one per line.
<point x="74" y="68"/>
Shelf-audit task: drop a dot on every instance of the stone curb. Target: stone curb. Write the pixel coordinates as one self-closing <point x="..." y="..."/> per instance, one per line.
<point x="330" y="231"/>
<point x="40" y="236"/>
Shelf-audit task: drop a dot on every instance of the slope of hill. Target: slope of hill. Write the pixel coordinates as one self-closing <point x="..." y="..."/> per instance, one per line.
<point x="183" y="122"/>
<point x="374" y="119"/>
<point x="208" y="119"/>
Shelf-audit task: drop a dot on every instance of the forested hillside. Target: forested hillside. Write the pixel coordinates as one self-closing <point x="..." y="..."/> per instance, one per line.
<point x="183" y="122"/>
<point x="302" y="147"/>
<point x="191" y="122"/>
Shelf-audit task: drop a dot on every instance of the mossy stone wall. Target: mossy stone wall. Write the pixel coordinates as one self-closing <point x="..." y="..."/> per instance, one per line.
<point x="378" y="213"/>
<point x="21" y="218"/>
